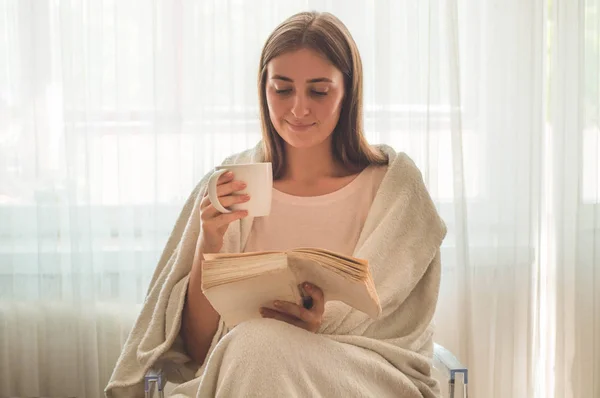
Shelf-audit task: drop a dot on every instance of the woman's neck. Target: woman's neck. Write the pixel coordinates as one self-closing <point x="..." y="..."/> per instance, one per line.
<point x="312" y="164"/>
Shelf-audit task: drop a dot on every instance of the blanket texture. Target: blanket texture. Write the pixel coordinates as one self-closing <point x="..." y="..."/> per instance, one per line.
<point x="352" y="355"/>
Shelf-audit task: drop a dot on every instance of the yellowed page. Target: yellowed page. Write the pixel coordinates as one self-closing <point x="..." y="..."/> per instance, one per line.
<point x="212" y="256"/>
<point x="222" y="270"/>
<point x="347" y="264"/>
<point x="241" y="300"/>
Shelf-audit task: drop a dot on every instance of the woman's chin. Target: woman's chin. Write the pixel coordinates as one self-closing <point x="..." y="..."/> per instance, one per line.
<point x="303" y="142"/>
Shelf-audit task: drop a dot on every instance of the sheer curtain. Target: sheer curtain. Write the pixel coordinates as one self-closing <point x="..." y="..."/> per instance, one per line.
<point x="111" y="111"/>
<point x="574" y="205"/>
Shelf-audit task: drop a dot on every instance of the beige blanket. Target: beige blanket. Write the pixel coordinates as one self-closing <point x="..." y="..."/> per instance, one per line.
<point x="353" y="355"/>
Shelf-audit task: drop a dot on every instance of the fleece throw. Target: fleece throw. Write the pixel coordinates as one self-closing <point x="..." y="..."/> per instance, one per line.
<point x="352" y="355"/>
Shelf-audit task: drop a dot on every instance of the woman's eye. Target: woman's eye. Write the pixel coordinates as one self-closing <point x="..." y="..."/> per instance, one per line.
<point x="287" y="91"/>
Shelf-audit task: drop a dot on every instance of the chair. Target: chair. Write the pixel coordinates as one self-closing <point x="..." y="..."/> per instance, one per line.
<point x="154" y="379"/>
<point x="443" y="360"/>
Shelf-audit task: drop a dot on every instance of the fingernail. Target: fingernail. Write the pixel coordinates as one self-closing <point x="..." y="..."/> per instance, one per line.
<point x="307" y="302"/>
<point x="277" y="303"/>
<point x="246" y="197"/>
<point x="229" y="174"/>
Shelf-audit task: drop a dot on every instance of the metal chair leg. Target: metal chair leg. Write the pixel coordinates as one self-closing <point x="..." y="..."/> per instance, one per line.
<point x="451" y="388"/>
<point x="149" y="390"/>
<point x="154" y="378"/>
<point x="445" y="361"/>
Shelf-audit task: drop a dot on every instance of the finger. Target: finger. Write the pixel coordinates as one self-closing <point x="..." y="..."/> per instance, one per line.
<point x="205" y="202"/>
<point x="210" y="215"/>
<point x="228" y="218"/>
<point x="272" y="314"/>
<point x="229" y="200"/>
<point x="209" y="211"/>
<point x="318" y="298"/>
<point x="295" y="311"/>
<point x="223" y="178"/>
<point x="230" y="187"/>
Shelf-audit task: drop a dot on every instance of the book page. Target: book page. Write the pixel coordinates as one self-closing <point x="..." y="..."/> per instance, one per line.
<point x="212" y="256"/>
<point x="241" y="300"/>
<point x="339" y="257"/>
<point x="226" y="270"/>
<point x="348" y="265"/>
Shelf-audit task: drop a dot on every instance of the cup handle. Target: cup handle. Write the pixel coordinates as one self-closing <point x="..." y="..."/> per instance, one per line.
<point x="212" y="191"/>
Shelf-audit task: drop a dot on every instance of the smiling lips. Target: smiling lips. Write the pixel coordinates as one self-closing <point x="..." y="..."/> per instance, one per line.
<point x="299" y="127"/>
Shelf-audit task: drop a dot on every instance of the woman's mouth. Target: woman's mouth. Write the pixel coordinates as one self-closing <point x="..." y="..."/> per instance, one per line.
<point x="299" y="127"/>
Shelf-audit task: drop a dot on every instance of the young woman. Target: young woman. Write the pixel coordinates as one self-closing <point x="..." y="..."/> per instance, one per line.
<point x="331" y="190"/>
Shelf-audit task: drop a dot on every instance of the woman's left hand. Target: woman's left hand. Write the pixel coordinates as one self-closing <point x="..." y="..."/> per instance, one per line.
<point x="297" y="315"/>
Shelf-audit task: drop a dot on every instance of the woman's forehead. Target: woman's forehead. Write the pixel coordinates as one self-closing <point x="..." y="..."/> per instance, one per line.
<point x="302" y="65"/>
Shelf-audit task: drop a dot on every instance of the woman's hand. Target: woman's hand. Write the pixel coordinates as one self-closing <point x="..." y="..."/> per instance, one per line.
<point x="297" y="315"/>
<point x="215" y="223"/>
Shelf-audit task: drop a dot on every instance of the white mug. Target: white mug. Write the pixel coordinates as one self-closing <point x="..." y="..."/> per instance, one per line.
<point x="259" y="185"/>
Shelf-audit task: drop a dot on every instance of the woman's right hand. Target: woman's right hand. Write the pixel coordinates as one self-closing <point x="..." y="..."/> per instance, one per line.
<point x="214" y="223"/>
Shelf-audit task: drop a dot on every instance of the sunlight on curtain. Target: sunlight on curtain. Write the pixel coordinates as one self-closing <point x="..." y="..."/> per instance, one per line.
<point x="575" y="207"/>
<point x="111" y="112"/>
<point x="487" y="306"/>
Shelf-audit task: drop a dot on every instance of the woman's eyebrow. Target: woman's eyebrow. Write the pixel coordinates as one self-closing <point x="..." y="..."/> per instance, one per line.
<point x="315" y="80"/>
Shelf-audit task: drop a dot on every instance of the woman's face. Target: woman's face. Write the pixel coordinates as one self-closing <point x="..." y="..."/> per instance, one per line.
<point x="304" y="94"/>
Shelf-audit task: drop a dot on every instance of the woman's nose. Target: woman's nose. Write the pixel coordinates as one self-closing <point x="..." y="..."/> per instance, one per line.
<point x="300" y="107"/>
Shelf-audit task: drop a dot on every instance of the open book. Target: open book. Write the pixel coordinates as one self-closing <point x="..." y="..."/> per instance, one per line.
<point x="237" y="285"/>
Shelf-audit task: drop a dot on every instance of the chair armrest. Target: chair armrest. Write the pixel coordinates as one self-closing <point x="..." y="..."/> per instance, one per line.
<point x="445" y="361"/>
<point x="154" y="378"/>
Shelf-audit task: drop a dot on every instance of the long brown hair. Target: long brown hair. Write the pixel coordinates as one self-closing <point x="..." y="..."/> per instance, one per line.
<point x="326" y="34"/>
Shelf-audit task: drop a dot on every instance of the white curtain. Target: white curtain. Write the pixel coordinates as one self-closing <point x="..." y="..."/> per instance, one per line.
<point x="111" y="111"/>
<point x="572" y="274"/>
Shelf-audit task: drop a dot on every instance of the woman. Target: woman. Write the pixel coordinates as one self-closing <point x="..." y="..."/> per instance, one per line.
<point x="331" y="190"/>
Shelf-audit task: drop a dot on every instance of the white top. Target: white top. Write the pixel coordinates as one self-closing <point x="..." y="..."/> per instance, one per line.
<point x="332" y="221"/>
